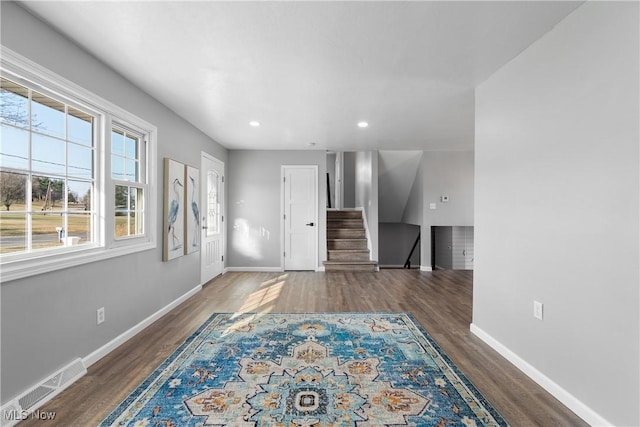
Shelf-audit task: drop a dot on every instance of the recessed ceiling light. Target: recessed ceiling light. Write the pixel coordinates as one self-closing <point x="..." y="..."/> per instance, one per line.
<point x="363" y="124"/>
<point x="254" y="124"/>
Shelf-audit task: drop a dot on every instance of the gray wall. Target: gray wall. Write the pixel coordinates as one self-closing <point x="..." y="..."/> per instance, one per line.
<point x="349" y="179"/>
<point x="446" y="173"/>
<point x="50" y="319"/>
<point x="396" y="241"/>
<point x="557" y="195"/>
<point x="254" y="223"/>
<point x="366" y="195"/>
<point x="413" y="211"/>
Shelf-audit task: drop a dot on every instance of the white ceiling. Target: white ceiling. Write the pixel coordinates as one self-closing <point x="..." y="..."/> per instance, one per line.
<point x="309" y="71"/>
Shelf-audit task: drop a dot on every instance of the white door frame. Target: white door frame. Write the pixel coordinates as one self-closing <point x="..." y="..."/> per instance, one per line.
<point x="282" y="213"/>
<point x="203" y="204"/>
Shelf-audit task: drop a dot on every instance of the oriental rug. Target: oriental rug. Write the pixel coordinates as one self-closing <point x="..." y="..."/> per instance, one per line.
<point x="307" y="370"/>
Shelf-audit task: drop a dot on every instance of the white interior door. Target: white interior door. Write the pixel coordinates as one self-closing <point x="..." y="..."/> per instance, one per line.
<point x="212" y="251"/>
<point x="300" y="198"/>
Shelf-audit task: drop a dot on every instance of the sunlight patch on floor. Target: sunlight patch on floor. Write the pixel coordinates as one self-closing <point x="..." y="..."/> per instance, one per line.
<point x="260" y="301"/>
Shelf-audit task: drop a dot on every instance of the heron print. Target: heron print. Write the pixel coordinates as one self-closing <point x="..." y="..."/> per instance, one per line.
<point x="192" y="210"/>
<point x="174" y="209"/>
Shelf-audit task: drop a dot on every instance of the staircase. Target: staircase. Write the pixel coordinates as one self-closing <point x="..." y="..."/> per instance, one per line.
<point x="347" y="243"/>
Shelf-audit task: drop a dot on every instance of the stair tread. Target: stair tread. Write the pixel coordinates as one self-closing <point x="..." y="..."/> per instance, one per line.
<point x="347" y="242"/>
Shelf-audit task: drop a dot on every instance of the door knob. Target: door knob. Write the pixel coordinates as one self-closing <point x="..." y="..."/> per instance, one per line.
<point x="310" y="224"/>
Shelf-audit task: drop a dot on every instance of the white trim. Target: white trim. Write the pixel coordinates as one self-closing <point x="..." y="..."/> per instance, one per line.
<point x="32" y="266"/>
<point x="203" y="206"/>
<point x="338" y="180"/>
<point x="13" y="409"/>
<point x="315" y="210"/>
<point x="425" y="268"/>
<point x="18" y="266"/>
<point x="26" y="68"/>
<point x="282" y="220"/>
<point x="366" y="230"/>
<point x="257" y="269"/>
<point x="569" y="400"/>
<point x="320" y="269"/>
<point x="98" y="354"/>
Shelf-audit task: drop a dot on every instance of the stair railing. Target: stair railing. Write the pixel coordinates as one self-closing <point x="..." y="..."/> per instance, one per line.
<point x="328" y="191"/>
<point x="407" y="264"/>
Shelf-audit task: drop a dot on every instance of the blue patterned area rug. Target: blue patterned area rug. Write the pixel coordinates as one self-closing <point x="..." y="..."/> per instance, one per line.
<point x="307" y="370"/>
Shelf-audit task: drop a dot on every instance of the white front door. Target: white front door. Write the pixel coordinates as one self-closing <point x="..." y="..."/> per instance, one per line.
<point x="300" y="216"/>
<point x="212" y="251"/>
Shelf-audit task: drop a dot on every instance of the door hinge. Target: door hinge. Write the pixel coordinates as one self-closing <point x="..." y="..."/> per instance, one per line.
<point x="223" y="179"/>
<point x="284" y="216"/>
<point x="284" y="254"/>
<point x="222" y="219"/>
<point x="284" y="179"/>
<point x="222" y="257"/>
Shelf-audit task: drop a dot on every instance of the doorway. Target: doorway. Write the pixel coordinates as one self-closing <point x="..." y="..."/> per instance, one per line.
<point x="212" y="201"/>
<point x="300" y="217"/>
<point x="452" y="247"/>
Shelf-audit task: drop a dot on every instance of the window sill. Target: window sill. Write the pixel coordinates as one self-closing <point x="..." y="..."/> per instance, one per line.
<point x="27" y="267"/>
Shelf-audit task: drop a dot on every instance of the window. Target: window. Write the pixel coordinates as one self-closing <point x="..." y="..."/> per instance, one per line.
<point x="126" y="165"/>
<point x="213" y="204"/>
<point x="76" y="173"/>
<point x="47" y="171"/>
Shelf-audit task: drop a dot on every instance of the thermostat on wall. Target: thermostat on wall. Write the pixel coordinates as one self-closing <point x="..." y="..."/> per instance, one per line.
<point x="444" y="199"/>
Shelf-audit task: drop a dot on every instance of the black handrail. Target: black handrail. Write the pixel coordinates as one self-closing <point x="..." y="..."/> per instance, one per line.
<point x="408" y="263"/>
<point x="328" y="192"/>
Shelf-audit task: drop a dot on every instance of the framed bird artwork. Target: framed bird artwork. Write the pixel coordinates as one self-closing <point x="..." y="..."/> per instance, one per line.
<point x="192" y="210"/>
<point x="174" y="210"/>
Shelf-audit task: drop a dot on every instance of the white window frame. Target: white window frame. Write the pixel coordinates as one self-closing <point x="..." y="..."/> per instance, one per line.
<point x="126" y="240"/>
<point x="20" y="265"/>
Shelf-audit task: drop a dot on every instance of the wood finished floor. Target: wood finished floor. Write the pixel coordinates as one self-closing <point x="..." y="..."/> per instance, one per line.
<point x="440" y="301"/>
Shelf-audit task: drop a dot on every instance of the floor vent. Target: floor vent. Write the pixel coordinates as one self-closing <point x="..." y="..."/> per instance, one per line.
<point x="32" y="399"/>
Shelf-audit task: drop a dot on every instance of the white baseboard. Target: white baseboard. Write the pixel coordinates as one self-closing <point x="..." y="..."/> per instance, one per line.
<point x="257" y="269"/>
<point x="26" y="405"/>
<point x="15" y="409"/>
<point x="569" y="400"/>
<point x="125" y="336"/>
<point x="320" y="269"/>
<point x="425" y="268"/>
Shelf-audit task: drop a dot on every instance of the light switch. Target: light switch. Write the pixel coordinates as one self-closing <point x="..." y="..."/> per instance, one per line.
<point x="432" y="206"/>
<point x="444" y="199"/>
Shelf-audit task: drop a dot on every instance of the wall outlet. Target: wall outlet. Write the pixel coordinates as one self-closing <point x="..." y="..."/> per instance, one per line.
<point x="537" y="310"/>
<point x="100" y="315"/>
